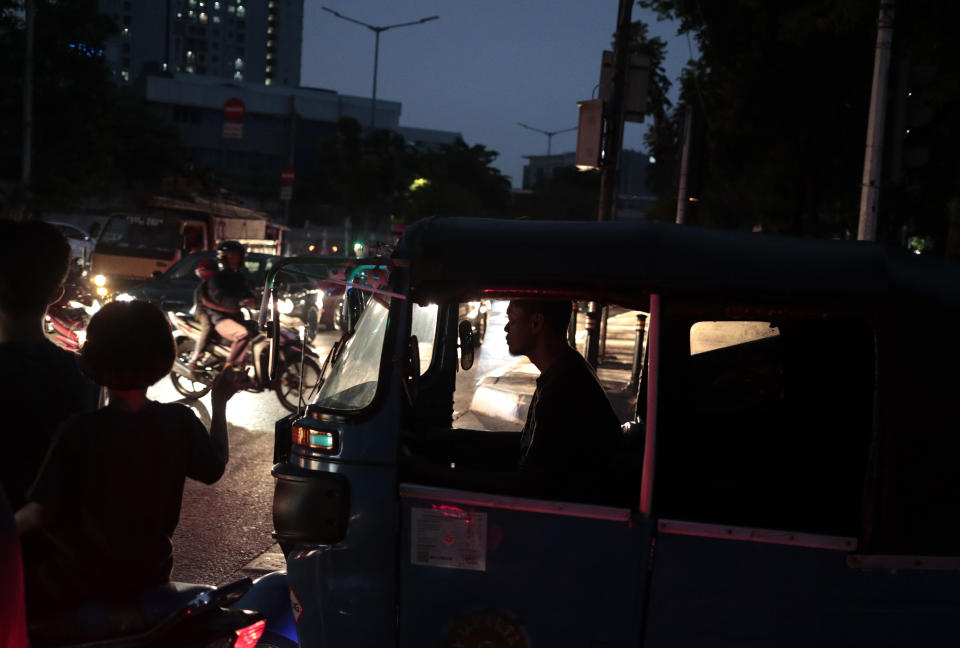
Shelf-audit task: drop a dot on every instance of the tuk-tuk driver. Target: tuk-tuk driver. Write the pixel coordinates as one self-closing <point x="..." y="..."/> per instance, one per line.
<point x="570" y="424"/>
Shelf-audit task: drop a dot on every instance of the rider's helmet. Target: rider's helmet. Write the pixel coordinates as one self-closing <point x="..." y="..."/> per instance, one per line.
<point x="206" y="269"/>
<point x="229" y="246"/>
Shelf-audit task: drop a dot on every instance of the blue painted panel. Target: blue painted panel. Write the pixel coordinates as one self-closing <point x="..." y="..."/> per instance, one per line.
<point x="707" y="591"/>
<point x="348" y="590"/>
<point x="565" y="581"/>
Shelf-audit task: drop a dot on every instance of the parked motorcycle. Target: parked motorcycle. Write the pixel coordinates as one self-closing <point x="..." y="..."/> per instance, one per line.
<point x="298" y="372"/>
<point x="172" y="614"/>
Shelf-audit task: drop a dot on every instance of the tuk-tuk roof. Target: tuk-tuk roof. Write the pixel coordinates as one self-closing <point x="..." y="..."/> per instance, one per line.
<point x="455" y="259"/>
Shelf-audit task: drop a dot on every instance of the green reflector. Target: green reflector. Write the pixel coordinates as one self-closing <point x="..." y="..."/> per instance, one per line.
<point x="321" y="439"/>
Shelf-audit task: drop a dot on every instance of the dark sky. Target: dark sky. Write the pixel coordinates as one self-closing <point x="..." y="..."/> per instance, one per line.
<point x="481" y="68"/>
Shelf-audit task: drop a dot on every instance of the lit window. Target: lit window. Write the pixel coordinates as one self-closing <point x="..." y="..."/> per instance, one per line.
<point x="216" y="19"/>
<point x="271" y="5"/>
<point x="231" y="9"/>
<point x="190" y="13"/>
<point x="189" y="69"/>
<point x="192" y="3"/>
<point x="203" y="19"/>
<point x="179" y="15"/>
<point x="268" y="82"/>
<point x="269" y="43"/>
<point x="189" y="55"/>
<point x="269" y="56"/>
<point x="241" y="11"/>
<point x="201" y="4"/>
<point x="271" y="17"/>
<point x="164" y="67"/>
<point x="238" y="64"/>
<point x="270" y="29"/>
<point x="238" y="75"/>
<point x="125" y="74"/>
<point x="268" y="69"/>
<point x="216" y="5"/>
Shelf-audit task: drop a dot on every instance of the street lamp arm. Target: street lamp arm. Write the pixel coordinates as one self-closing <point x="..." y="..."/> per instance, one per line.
<point x="348" y="18"/>
<point x="407" y="24"/>
<point x="548" y="133"/>
<point x="532" y="128"/>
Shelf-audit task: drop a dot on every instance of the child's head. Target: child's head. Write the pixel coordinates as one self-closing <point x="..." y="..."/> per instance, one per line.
<point x="129" y="346"/>
<point x="33" y="264"/>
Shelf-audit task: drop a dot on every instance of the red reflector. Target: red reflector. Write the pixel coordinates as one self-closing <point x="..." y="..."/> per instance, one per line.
<point x="248" y="637"/>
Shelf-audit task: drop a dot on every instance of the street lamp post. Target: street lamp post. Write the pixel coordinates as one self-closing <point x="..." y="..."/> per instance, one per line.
<point x="377" y="30"/>
<point x="549" y="134"/>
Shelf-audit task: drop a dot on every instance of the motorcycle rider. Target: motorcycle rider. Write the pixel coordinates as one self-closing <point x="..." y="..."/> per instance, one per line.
<point x="204" y="271"/>
<point x="227" y="291"/>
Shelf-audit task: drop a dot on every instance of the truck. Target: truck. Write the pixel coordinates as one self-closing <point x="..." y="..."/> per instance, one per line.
<point x="137" y="245"/>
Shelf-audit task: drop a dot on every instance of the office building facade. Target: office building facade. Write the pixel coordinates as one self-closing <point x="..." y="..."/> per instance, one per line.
<point x="252" y="41"/>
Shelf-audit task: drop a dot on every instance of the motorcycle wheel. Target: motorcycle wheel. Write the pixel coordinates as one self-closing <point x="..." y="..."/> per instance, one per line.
<point x="287" y="385"/>
<point x="186" y="387"/>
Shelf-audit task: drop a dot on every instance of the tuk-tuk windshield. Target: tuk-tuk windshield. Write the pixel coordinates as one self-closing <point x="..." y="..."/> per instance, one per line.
<point x="352" y="381"/>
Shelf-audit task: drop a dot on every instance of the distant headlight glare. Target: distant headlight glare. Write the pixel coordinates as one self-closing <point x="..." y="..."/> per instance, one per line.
<point x="285" y="306"/>
<point x="100" y="280"/>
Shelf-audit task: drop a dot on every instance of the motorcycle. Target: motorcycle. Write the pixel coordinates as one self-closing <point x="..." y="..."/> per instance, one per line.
<point x="65" y="323"/>
<point x="172" y="614"/>
<point x="298" y="368"/>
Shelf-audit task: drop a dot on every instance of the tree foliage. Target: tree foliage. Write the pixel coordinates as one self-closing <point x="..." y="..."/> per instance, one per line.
<point x="379" y="176"/>
<point x="89" y="139"/>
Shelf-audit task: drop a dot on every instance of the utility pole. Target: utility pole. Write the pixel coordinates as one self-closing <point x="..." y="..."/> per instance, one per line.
<point x="873" y="157"/>
<point x="613" y="113"/>
<point x="26" y="173"/>
<point x="682" y="198"/>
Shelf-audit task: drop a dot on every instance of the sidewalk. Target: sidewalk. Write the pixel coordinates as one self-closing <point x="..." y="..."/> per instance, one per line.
<point x="506" y="393"/>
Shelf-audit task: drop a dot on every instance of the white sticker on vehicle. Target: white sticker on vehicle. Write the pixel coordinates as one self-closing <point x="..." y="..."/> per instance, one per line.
<point x="448" y="536"/>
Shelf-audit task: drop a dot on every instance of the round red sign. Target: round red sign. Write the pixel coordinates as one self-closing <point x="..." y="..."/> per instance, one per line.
<point x="233" y="109"/>
<point x="287" y="175"/>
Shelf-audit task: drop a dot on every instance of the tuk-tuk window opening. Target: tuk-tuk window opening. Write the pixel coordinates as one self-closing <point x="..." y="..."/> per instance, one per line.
<point x="765" y="424"/>
<point x="423" y="324"/>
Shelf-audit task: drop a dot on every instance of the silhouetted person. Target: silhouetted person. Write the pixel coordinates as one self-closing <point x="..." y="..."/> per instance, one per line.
<point x="110" y="489"/>
<point x="571" y="427"/>
<point x="40" y="384"/>
<point x="204" y="271"/>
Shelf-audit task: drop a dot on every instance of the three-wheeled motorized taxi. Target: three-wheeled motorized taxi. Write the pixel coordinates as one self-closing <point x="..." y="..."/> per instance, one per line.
<point x="789" y="477"/>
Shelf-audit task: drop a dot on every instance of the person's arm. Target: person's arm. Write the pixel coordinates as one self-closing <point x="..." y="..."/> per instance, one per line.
<point x="225" y="386"/>
<point x="34" y="515"/>
<point x="217" y="307"/>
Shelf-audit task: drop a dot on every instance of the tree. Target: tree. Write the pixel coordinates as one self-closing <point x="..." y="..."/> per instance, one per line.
<point x="89" y="139"/>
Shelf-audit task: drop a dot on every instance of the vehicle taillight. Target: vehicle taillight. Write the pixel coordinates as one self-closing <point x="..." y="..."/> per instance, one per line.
<point x="248" y="637"/>
<point x="323" y="440"/>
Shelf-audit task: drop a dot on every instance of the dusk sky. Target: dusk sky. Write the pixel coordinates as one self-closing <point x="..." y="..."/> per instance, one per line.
<point x="481" y="68"/>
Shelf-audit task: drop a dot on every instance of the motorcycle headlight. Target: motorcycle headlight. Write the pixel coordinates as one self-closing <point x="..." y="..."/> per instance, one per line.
<point x="101" y="291"/>
<point x="285" y="306"/>
<point x="99" y="281"/>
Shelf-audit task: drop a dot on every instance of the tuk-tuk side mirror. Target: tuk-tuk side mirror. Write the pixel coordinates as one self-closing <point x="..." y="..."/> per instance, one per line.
<point x="411" y="370"/>
<point x="468" y="344"/>
<point x="350" y="310"/>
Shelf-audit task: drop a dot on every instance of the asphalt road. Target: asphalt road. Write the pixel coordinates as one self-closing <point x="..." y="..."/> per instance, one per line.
<point x="226" y="525"/>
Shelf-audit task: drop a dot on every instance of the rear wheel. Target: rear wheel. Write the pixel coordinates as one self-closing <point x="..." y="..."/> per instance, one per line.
<point x="288" y="383"/>
<point x="187" y="387"/>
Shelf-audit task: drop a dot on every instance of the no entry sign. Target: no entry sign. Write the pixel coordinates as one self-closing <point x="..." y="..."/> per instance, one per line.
<point x="287" y="176"/>
<point x="234" y="110"/>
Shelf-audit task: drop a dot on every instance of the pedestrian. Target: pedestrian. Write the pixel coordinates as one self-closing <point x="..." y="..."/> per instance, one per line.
<point x="110" y="489"/>
<point x="204" y="271"/>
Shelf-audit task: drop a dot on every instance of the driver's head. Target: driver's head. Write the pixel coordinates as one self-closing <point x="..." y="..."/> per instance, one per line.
<point x="531" y="320"/>
<point x="34" y="258"/>
<point x="230" y="254"/>
<point x="129" y="346"/>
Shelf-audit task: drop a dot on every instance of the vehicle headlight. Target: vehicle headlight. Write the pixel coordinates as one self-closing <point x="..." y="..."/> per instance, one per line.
<point x="101" y="291"/>
<point x="285" y="306"/>
<point x="99" y="280"/>
<point x="124" y="297"/>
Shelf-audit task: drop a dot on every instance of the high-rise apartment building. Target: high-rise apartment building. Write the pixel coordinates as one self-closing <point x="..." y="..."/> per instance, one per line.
<point x="257" y="41"/>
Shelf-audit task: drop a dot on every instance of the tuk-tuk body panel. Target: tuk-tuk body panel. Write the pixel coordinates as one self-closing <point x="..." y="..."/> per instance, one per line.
<point x="347" y="590"/>
<point x="720" y="592"/>
<point x="553" y="578"/>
